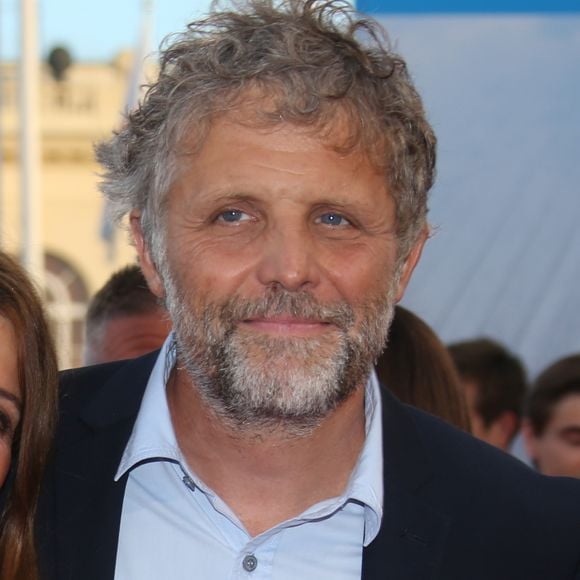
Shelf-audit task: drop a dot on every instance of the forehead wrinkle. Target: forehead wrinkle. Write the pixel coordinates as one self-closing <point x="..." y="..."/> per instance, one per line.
<point x="262" y="164"/>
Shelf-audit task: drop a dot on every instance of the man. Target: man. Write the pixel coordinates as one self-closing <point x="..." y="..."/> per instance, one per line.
<point x="552" y="425"/>
<point x="275" y="179"/>
<point x="494" y="382"/>
<point x="124" y="319"/>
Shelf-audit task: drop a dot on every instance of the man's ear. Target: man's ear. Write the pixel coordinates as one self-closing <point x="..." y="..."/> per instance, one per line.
<point x="411" y="261"/>
<point x="145" y="261"/>
<point x="501" y="432"/>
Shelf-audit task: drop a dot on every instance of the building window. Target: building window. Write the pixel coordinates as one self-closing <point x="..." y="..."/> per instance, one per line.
<point x="66" y="298"/>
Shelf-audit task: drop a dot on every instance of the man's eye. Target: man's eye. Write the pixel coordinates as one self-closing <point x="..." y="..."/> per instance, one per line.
<point x="232" y="216"/>
<point x="572" y="437"/>
<point x="333" y="219"/>
<point x="6" y="425"/>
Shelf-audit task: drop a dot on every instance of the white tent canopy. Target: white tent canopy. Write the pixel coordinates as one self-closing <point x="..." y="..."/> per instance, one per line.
<point x="503" y="94"/>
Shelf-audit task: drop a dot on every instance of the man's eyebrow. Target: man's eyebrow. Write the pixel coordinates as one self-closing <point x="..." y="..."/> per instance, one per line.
<point x="227" y="196"/>
<point x="15" y="399"/>
<point x="236" y="196"/>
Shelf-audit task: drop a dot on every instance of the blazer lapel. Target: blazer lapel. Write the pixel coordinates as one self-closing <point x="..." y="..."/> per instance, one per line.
<point x="88" y="460"/>
<point x="87" y="541"/>
<point x="413" y="532"/>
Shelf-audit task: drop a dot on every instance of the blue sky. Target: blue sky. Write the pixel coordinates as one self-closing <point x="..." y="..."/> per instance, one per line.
<point x="95" y="30"/>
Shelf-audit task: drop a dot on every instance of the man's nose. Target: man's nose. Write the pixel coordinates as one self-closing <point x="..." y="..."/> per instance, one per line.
<point x="289" y="258"/>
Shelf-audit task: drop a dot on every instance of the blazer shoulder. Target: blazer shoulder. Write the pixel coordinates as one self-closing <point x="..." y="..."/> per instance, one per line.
<point x="502" y="520"/>
<point x="487" y="476"/>
<point x="99" y="394"/>
<point x="80" y="383"/>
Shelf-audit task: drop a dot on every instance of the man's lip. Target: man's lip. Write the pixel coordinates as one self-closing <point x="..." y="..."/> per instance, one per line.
<point x="284" y="320"/>
<point x="286" y="325"/>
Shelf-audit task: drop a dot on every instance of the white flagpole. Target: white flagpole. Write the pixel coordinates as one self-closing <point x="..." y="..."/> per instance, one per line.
<point x="31" y="238"/>
<point x="134" y="86"/>
<point x="1" y="138"/>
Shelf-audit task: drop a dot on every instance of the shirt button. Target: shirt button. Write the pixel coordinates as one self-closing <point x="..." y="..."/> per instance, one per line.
<point x="188" y="482"/>
<point x="250" y="563"/>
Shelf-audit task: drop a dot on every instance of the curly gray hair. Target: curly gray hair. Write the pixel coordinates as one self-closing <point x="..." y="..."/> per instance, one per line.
<point x="304" y="62"/>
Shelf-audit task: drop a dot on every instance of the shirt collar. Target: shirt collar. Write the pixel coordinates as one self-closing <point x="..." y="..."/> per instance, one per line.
<point x="153" y="438"/>
<point x="366" y="481"/>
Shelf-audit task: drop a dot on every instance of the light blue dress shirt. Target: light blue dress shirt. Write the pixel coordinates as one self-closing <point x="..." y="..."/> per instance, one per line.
<point x="174" y="527"/>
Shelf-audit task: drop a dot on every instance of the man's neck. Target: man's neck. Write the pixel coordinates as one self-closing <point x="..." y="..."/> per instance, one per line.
<point x="266" y="477"/>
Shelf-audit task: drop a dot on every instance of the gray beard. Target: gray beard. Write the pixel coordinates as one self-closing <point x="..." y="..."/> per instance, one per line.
<point x="261" y="383"/>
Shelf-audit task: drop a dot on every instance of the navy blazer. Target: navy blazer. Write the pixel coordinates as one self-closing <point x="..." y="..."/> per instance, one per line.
<point x="455" y="508"/>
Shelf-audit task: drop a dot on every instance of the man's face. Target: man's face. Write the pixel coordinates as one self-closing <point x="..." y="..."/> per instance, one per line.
<point x="557" y="450"/>
<point x="471" y="393"/>
<point x="280" y="271"/>
<point x="127" y="336"/>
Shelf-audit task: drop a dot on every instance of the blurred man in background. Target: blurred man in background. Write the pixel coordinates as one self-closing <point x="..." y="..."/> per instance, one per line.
<point x="494" y="381"/>
<point x="551" y="428"/>
<point x="124" y="319"/>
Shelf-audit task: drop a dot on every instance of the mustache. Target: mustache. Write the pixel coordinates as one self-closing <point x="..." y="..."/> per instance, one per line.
<point x="281" y="302"/>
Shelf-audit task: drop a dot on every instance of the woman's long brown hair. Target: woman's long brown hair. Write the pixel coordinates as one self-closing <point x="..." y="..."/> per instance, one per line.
<point x="418" y="369"/>
<point x="37" y="371"/>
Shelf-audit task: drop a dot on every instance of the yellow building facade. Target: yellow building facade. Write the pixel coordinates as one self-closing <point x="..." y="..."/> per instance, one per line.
<point x="75" y="113"/>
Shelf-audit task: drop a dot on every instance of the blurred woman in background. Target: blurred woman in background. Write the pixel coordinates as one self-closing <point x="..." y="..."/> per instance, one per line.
<point x="417" y="368"/>
<point x="28" y="393"/>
